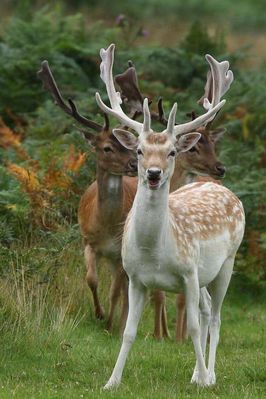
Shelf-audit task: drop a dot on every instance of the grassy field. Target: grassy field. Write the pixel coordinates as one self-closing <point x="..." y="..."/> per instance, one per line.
<point x="52" y="347"/>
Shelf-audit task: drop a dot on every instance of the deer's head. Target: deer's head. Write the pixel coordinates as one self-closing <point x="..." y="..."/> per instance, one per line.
<point x="156" y="152"/>
<point x="201" y="159"/>
<point x="112" y="157"/>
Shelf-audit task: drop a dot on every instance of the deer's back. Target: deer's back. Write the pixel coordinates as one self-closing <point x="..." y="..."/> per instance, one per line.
<point x="207" y="213"/>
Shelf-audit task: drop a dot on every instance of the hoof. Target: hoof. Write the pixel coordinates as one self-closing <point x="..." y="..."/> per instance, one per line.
<point x="212" y="378"/>
<point x="99" y="314"/>
<point x="111" y="384"/>
<point x="201" y="380"/>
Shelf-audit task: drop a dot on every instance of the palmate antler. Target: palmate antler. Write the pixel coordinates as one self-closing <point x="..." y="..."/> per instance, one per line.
<point x="50" y="85"/>
<point x="219" y="79"/>
<point x="129" y="89"/>
<point x="116" y="110"/>
<point x="131" y="95"/>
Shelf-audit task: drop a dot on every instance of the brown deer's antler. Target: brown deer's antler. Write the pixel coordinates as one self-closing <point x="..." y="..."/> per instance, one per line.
<point x="131" y="95"/>
<point x="50" y="85"/>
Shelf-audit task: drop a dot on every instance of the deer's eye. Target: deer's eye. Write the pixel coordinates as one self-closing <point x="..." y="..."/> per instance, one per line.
<point x="139" y="152"/>
<point x="172" y="154"/>
<point x="193" y="149"/>
<point x="108" y="149"/>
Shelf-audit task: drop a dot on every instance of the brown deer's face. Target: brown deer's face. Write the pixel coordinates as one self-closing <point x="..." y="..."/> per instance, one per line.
<point x="201" y="159"/>
<point x="113" y="157"/>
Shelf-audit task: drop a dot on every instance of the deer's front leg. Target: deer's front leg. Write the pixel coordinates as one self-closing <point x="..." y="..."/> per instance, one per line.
<point x="136" y="296"/>
<point x="92" y="280"/>
<point x="200" y="376"/>
<point x="124" y="310"/>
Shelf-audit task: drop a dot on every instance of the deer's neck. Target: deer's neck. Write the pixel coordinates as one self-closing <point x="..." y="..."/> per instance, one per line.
<point x="110" y="195"/>
<point x="150" y="216"/>
<point x="180" y="177"/>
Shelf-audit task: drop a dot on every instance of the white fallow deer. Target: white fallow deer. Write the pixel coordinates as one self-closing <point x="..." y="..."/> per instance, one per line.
<point x="200" y="160"/>
<point x="187" y="238"/>
<point x="105" y="204"/>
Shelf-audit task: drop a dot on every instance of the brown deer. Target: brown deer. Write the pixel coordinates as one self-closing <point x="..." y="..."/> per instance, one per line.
<point x="104" y="206"/>
<point x="187" y="238"/>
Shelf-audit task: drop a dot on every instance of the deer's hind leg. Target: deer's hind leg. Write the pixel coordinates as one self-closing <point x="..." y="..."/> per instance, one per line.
<point x="181" y="320"/>
<point x="160" y="317"/>
<point x="217" y="289"/>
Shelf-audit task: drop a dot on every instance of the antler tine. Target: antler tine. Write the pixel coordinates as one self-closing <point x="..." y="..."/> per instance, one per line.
<point x="161" y="116"/>
<point x="106" y="68"/>
<point x="171" y="120"/>
<point x="50" y="85"/>
<point x="147" y="116"/>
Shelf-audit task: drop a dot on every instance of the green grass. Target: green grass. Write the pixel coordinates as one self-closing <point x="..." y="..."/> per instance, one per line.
<point x="59" y="355"/>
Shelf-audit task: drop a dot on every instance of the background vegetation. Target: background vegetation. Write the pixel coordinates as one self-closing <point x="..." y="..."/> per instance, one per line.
<point x="45" y="165"/>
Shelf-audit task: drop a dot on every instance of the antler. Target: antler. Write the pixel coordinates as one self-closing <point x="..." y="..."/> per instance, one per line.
<point x="219" y="79"/>
<point x="131" y="95"/>
<point x="106" y="68"/>
<point x="50" y="85"/>
<point x="115" y="101"/>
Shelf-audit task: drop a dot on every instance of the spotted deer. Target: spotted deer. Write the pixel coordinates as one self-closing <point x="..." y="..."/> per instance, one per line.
<point x="200" y="160"/>
<point x="104" y="206"/>
<point x="188" y="238"/>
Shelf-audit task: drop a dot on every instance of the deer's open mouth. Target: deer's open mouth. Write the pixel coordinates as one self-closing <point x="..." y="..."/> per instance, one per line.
<point x="217" y="176"/>
<point x="154" y="182"/>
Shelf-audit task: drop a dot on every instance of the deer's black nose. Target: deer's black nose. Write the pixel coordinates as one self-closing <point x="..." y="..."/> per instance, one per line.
<point x="220" y="169"/>
<point x="133" y="164"/>
<point x="154" y="173"/>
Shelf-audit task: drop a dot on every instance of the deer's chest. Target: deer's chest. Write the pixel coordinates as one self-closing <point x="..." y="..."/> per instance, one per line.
<point x="109" y="248"/>
<point x="106" y="242"/>
<point x="155" y="270"/>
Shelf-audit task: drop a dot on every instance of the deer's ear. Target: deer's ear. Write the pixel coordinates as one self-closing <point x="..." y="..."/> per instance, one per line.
<point x="89" y="136"/>
<point x="126" y="139"/>
<point x="187" y="141"/>
<point x="217" y="134"/>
